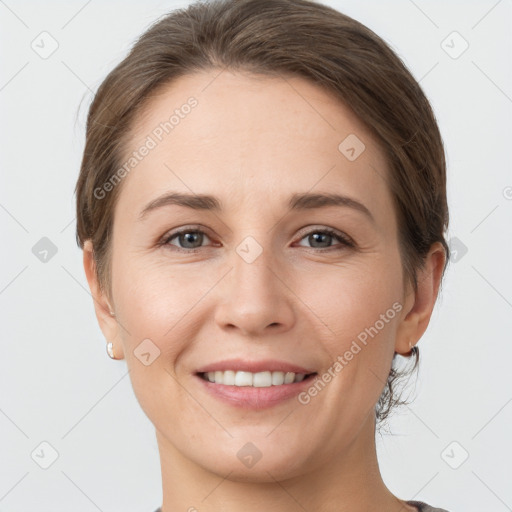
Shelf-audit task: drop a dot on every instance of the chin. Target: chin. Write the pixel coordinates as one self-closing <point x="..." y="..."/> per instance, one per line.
<point x="248" y="463"/>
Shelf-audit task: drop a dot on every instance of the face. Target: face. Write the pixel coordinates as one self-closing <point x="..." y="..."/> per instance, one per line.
<point x="263" y="280"/>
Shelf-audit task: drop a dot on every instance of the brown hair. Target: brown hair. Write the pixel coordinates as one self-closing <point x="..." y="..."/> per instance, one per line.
<point x="273" y="38"/>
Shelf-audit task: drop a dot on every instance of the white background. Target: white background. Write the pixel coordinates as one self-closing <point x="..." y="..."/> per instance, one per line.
<point x="57" y="383"/>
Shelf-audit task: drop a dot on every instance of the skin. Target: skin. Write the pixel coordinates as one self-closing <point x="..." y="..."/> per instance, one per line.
<point x="252" y="142"/>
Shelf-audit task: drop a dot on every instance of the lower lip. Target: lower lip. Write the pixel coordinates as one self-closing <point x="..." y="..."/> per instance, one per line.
<point x="249" y="397"/>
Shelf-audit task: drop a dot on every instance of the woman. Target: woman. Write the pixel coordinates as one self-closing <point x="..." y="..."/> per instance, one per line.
<point x="262" y="209"/>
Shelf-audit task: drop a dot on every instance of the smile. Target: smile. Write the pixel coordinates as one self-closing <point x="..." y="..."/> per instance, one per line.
<point x="262" y="379"/>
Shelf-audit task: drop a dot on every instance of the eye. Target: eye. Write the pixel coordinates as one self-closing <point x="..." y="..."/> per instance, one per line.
<point x="324" y="236"/>
<point x="190" y="240"/>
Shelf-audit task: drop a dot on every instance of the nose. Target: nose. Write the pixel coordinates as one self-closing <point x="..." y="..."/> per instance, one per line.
<point x="255" y="297"/>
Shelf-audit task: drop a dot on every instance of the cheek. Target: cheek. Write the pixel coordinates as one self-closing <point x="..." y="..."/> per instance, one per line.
<point x="154" y="298"/>
<point x="359" y="309"/>
<point x="158" y="308"/>
<point x="151" y="306"/>
<point x="350" y="298"/>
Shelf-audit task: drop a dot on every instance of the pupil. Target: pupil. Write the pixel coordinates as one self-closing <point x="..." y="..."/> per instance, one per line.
<point x="189" y="238"/>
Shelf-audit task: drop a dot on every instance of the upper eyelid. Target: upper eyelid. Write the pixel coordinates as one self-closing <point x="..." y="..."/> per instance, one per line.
<point x="313" y="229"/>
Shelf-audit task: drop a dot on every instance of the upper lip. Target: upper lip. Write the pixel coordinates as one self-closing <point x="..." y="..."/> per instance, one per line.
<point x="243" y="365"/>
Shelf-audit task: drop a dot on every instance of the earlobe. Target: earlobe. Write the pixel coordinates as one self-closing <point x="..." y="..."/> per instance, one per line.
<point x="104" y="313"/>
<point x="420" y="303"/>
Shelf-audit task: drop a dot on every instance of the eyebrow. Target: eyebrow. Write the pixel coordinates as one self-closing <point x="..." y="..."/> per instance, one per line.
<point x="297" y="202"/>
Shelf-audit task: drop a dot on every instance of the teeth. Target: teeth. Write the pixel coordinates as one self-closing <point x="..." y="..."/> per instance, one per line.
<point x="257" y="380"/>
<point x="242" y="379"/>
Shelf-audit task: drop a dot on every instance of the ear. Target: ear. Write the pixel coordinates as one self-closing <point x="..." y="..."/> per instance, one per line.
<point x="419" y="304"/>
<point x="104" y="312"/>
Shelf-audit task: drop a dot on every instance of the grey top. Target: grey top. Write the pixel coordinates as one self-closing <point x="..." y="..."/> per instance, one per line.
<point x="422" y="507"/>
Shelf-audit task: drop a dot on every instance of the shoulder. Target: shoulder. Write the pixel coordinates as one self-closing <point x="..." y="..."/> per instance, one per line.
<point x="424" y="507"/>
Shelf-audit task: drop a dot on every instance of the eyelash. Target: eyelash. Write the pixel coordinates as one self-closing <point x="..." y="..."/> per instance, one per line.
<point x="345" y="241"/>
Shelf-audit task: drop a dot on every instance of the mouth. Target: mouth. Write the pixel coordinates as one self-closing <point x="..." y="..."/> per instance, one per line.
<point x="263" y="379"/>
<point x="254" y="385"/>
<point x="254" y="390"/>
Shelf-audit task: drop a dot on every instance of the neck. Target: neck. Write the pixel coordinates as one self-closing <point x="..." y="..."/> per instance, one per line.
<point x="348" y="482"/>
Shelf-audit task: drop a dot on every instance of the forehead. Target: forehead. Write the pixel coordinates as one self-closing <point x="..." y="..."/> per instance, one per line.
<point x="250" y="137"/>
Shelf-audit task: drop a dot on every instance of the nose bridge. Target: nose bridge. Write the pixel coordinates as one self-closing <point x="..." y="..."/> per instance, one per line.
<point x="254" y="266"/>
<point x="253" y="295"/>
